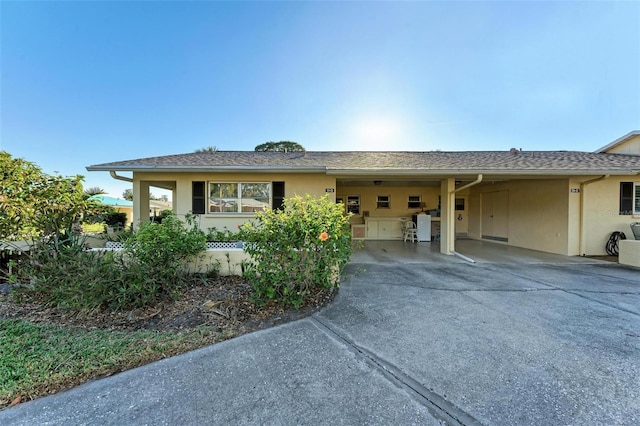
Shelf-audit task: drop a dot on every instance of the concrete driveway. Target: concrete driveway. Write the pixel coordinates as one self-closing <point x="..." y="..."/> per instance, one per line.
<point x="545" y="341"/>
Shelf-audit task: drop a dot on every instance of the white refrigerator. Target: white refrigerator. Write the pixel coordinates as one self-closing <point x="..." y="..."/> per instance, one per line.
<point x="423" y="222"/>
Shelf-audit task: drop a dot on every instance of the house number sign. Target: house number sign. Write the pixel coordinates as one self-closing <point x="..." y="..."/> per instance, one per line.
<point x="329" y="190"/>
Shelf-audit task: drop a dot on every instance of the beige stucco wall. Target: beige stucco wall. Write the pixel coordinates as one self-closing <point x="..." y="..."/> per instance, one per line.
<point x="601" y="212"/>
<point x="399" y="196"/>
<point x="538" y="212"/>
<point x="574" y="218"/>
<point x="295" y="184"/>
<point x="629" y="253"/>
<point x="474" y="208"/>
<point x="547" y="215"/>
<point x="630" y="146"/>
<point x="227" y="262"/>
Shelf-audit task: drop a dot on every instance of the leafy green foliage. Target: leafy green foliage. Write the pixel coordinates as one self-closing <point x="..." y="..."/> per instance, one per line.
<point x="115" y="218"/>
<point x="297" y="250"/>
<point x="163" y="248"/>
<point x="214" y="234"/>
<point x="282" y="146"/>
<point x="151" y="268"/>
<point x="127" y="194"/>
<point x="34" y="204"/>
<point x="160" y="216"/>
<point x="75" y="279"/>
<point x="94" y="190"/>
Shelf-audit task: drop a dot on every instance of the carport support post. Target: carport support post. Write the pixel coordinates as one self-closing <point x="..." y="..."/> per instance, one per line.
<point x="447" y="216"/>
<point x="140" y="202"/>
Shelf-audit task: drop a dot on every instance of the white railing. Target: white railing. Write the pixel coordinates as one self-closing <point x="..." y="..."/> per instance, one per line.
<point x="215" y="245"/>
<point x="114" y="245"/>
<point x="211" y="245"/>
<point x="15" y="247"/>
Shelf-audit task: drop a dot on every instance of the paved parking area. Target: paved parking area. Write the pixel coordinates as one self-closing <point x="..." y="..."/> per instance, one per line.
<point x="479" y="251"/>
<point x="543" y="340"/>
<point x="547" y="343"/>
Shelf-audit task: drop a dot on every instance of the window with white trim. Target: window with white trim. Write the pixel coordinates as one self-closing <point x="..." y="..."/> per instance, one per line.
<point x="630" y="198"/>
<point x="383" y="202"/>
<point x="239" y="197"/>
<point x="415" y="202"/>
<point x="353" y="204"/>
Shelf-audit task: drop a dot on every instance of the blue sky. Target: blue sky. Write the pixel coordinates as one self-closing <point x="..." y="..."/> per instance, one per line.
<point x="86" y="82"/>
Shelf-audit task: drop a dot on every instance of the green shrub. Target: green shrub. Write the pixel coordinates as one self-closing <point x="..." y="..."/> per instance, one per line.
<point x="165" y="246"/>
<point x="152" y="267"/>
<point x="214" y="234"/>
<point x="157" y="254"/>
<point x="115" y="218"/>
<point x="160" y="216"/>
<point x="69" y="277"/>
<point x="298" y="250"/>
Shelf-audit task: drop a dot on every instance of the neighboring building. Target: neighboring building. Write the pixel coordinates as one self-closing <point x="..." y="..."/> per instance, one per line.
<point x="157" y="206"/>
<point x="126" y="206"/>
<point x="564" y="202"/>
<point x="118" y="204"/>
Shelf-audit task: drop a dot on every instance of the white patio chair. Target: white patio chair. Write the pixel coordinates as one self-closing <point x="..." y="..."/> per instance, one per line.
<point x="410" y="232"/>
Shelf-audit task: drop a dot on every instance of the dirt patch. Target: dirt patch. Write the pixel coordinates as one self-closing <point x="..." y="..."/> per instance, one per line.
<point x="224" y="303"/>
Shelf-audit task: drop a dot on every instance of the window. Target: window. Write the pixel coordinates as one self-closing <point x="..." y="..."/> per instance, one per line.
<point x="626" y="198"/>
<point x="197" y="198"/>
<point x="414" y="202"/>
<point x="278" y="196"/>
<point x="630" y="198"/>
<point x="353" y="204"/>
<point x="459" y="203"/>
<point x="383" y="202"/>
<point x="231" y="197"/>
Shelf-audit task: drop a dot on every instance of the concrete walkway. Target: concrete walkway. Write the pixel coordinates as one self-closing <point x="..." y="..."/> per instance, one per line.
<point x="537" y="341"/>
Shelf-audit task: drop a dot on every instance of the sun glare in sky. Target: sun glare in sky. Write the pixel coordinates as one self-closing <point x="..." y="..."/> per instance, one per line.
<point x="87" y="82"/>
<point x="377" y="133"/>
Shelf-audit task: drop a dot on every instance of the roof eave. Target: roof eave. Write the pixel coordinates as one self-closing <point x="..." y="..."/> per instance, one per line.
<point x="369" y="171"/>
<point x="617" y="142"/>
<point x="458" y="172"/>
<point x="191" y="169"/>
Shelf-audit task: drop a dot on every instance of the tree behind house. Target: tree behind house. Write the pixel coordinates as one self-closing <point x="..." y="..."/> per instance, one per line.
<point x="282" y="146"/>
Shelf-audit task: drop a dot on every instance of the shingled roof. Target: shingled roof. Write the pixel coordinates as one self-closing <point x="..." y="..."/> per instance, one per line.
<point x="365" y="162"/>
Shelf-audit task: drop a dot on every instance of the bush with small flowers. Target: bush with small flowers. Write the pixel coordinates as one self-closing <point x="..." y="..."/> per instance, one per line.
<point x="298" y="250"/>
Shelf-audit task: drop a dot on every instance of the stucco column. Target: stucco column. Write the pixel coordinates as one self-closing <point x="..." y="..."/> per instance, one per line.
<point x="140" y="202"/>
<point x="447" y="216"/>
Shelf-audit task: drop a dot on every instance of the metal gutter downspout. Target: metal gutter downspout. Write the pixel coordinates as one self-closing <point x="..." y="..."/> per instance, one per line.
<point x="469" y="185"/>
<point x="583" y="228"/>
<point x="118" y="177"/>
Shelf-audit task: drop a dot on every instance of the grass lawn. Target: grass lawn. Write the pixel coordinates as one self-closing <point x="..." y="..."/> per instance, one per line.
<point x="93" y="228"/>
<point x="37" y="359"/>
